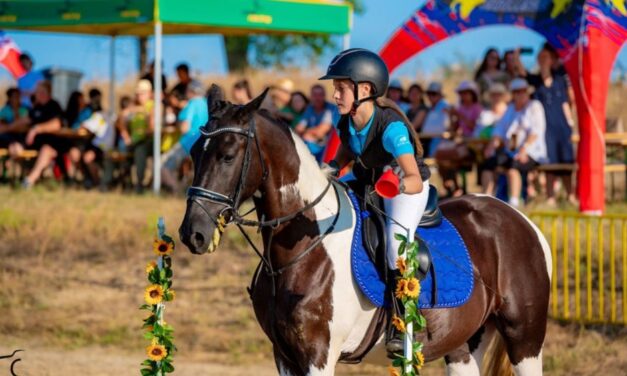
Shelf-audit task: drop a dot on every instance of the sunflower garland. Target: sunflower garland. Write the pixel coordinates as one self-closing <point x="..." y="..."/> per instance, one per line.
<point x="408" y="290"/>
<point x="159" y="352"/>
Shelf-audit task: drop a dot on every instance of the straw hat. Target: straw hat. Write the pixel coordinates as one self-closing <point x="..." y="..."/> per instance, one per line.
<point x="284" y="84"/>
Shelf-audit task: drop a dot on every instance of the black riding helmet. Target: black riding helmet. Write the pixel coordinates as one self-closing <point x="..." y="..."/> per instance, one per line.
<point x="359" y="65"/>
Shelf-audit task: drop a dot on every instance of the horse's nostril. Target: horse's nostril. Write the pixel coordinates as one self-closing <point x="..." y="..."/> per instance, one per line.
<point x="198" y="240"/>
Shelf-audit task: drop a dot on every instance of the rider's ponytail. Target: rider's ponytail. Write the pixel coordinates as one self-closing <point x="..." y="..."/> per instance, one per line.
<point x="388" y="103"/>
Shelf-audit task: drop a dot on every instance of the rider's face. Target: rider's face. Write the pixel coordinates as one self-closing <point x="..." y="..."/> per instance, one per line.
<point x="343" y="95"/>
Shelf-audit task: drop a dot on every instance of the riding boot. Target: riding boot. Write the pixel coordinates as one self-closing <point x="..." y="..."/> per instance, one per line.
<point x="394" y="337"/>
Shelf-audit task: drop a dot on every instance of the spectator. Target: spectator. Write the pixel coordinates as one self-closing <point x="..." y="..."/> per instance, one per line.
<point x="491" y="115"/>
<point x="137" y="127"/>
<point x="182" y="72"/>
<point x="297" y="106"/>
<point x="489" y="72"/>
<point x="28" y="82"/>
<point x="150" y="76"/>
<point x="278" y="100"/>
<point x="76" y="110"/>
<point x="193" y="116"/>
<point x="316" y="122"/>
<point x="551" y="89"/>
<point x="468" y="110"/>
<point x="395" y="93"/>
<point x="13" y="111"/>
<point x="418" y="110"/>
<point x="241" y="92"/>
<point x="437" y="120"/>
<point x="517" y="145"/>
<point x="512" y="66"/>
<point x="44" y="119"/>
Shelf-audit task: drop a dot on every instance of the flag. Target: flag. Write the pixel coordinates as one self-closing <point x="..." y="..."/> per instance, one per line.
<point x="10" y="56"/>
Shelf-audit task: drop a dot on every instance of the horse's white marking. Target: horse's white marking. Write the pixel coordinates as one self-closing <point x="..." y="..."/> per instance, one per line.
<point x="288" y="191"/>
<point x="548" y="258"/>
<point x="463" y="369"/>
<point x="484" y="342"/>
<point x="351" y="310"/>
<point x="283" y="371"/>
<point x="529" y="366"/>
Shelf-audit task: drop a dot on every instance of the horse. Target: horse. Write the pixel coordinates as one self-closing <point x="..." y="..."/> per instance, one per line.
<point x="304" y="295"/>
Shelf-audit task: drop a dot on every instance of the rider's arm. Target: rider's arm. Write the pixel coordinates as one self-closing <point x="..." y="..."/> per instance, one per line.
<point x="396" y="140"/>
<point x="343" y="156"/>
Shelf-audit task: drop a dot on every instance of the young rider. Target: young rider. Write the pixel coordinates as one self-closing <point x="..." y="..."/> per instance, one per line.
<point x="377" y="135"/>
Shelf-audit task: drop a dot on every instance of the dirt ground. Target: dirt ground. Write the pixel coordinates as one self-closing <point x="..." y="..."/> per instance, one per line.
<point x="72" y="277"/>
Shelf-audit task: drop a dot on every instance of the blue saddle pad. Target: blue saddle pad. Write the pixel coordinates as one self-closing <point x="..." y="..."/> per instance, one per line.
<point x="453" y="267"/>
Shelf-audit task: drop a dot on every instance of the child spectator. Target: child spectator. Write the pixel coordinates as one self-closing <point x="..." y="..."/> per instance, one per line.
<point x="297" y="106"/>
<point x="102" y="141"/>
<point x="418" y="110"/>
<point x="13" y="110"/>
<point x="468" y="109"/>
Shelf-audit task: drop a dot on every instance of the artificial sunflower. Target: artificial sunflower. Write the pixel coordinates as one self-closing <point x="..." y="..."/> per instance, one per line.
<point x="153" y="294"/>
<point x="401" y="265"/>
<point x="162" y="247"/>
<point x="172" y="295"/>
<point x="156" y="352"/>
<point x="398" y="323"/>
<point x="393" y="371"/>
<point x="150" y="267"/>
<point x="400" y="288"/>
<point x="420" y="360"/>
<point x="412" y="288"/>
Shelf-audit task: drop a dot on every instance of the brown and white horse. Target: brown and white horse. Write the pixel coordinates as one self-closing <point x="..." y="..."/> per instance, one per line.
<point x="306" y="299"/>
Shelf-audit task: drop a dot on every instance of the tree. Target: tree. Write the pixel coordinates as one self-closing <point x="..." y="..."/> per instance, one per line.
<point x="274" y="50"/>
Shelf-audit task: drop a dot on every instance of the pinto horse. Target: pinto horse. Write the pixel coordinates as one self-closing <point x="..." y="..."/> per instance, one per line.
<point x="304" y="295"/>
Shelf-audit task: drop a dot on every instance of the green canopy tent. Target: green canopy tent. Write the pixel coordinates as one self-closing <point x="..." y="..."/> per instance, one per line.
<point x="159" y="17"/>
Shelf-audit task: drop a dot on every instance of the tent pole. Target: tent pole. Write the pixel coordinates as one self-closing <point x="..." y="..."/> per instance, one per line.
<point x="346" y="42"/>
<point x="112" y="79"/>
<point x="156" y="179"/>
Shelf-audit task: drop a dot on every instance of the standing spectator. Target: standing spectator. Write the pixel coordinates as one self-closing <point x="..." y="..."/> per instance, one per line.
<point x="297" y="106"/>
<point x="193" y="116"/>
<point x="468" y="110"/>
<point x="13" y="111"/>
<point x="512" y="66"/>
<point x="137" y="128"/>
<point x="418" y="110"/>
<point x="395" y="93"/>
<point x="437" y="120"/>
<point x="44" y="118"/>
<point x="150" y="77"/>
<point x="182" y="72"/>
<point x="241" y="92"/>
<point x="317" y="121"/>
<point x="517" y="145"/>
<point x="551" y="89"/>
<point x="28" y="82"/>
<point x="489" y="72"/>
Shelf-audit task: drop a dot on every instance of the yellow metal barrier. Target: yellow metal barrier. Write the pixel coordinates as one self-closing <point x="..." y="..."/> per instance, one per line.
<point x="587" y="260"/>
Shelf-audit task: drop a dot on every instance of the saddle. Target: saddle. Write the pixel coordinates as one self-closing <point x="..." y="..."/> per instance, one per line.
<point x="374" y="231"/>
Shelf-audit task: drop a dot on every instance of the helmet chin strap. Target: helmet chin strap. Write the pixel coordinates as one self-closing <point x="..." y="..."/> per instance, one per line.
<point x="359" y="101"/>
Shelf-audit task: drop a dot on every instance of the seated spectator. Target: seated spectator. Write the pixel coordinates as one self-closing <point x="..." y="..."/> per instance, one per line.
<point x="241" y="92"/>
<point x="437" y="120"/>
<point x="418" y="110"/>
<point x="467" y="111"/>
<point x="489" y="73"/>
<point x="44" y="119"/>
<point x="316" y="122"/>
<point x="552" y="90"/>
<point x="136" y="130"/>
<point x="490" y="115"/>
<point x="395" y="93"/>
<point x="517" y="145"/>
<point x="28" y="82"/>
<point x="182" y="72"/>
<point x="297" y="106"/>
<point x="193" y="116"/>
<point x="277" y="102"/>
<point x="76" y="110"/>
<point x="12" y="111"/>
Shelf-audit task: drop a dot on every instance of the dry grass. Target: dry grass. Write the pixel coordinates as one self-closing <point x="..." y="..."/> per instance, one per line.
<point x="72" y="278"/>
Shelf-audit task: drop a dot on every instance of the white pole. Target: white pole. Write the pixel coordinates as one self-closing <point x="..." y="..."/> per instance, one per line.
<point x="346" y="42"/>
<point x="409" y="331"/>
<point x="112" y="79"/>
<point x="156" y="149"/>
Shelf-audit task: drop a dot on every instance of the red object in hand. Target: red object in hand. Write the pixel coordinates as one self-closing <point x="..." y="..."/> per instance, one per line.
<point x="388" y="185"/>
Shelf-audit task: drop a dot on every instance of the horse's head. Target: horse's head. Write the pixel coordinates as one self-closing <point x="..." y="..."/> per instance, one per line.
<point x="228" y="168"/>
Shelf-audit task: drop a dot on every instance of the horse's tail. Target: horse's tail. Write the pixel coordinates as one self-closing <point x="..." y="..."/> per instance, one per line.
<point x="496" y="361"/>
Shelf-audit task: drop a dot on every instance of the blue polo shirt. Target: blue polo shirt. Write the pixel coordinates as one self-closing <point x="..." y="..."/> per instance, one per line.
<point x="396" y="138"/>
<point x="196" y="114"/>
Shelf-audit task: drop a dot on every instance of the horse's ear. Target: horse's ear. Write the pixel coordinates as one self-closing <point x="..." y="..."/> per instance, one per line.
<point x="215" y="95"/>
<point x="256" y="103"/>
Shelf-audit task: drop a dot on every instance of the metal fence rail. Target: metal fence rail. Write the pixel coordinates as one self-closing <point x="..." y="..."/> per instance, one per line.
<point x="589" y="281"/>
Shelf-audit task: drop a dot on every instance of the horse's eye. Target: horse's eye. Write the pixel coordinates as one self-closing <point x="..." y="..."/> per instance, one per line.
<point x="228" y="158"/>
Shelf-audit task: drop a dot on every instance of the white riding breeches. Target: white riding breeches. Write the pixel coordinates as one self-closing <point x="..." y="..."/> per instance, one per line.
<point x="407" y="210"/>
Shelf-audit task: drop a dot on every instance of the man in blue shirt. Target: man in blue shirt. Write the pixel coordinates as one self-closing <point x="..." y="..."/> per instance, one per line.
<point x="28" y="82"/>
<point x="317" y="121"/>
<point x="193" y="116"/>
